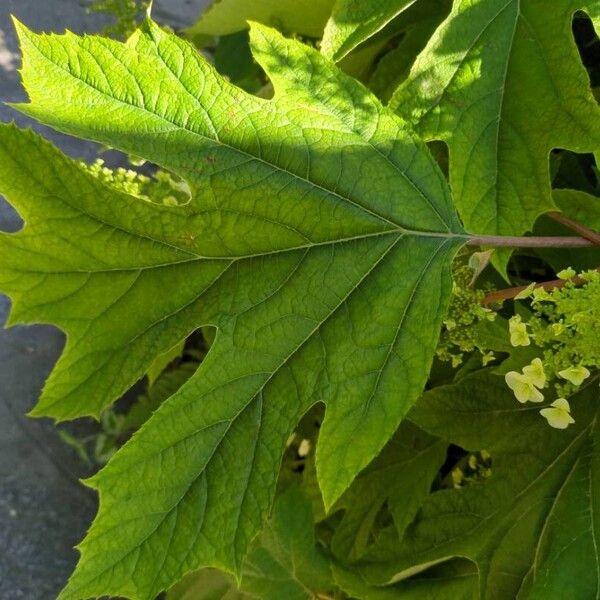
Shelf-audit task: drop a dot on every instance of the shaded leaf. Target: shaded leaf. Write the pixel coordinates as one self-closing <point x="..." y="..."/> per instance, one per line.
<point x="284" y="561"/>
<point x="207" y="584"/>
<point x="532" y="527"/>
<point x="399" y="479"/>
<point x="456" y="580"/>
<point x="354" y="21"/>
<point x="581" y="207"/>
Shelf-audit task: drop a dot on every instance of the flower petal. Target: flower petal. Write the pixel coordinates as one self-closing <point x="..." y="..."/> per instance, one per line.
<point x="557" y="418"/>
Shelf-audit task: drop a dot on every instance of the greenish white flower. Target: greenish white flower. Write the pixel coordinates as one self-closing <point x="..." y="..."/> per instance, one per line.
<point x="523" y="388"/>
<point x="487" y="357"/>
<point x="567" y="273"/>
<point x="518" y="332"/>
<point x="558" y="414"/>
<point x="535" y="373"/>
<point x="304" y="448"/>
<point x="576" y="375"/>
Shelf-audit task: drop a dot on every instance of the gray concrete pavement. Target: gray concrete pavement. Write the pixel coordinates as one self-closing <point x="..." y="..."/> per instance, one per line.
<point x="44" y="511"/>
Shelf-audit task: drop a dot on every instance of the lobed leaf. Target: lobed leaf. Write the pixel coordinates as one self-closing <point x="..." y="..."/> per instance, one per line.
<point x="501" y="82"/>
<point x="399" y="479"/>
<point x="318" y="241"/>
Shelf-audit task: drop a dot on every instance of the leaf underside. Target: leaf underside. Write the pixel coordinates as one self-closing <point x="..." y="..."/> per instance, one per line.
<point x="318" y="241"/>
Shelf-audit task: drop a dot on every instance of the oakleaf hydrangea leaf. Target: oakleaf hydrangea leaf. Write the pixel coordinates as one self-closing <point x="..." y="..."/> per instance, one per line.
<point x="502" y="83"/>
<point x="415" y="26"/>
<point x="285" y="561"/>
<point x="313" y="216"/>
<point x="532" y="527"/>
<point x="354" y="21"/>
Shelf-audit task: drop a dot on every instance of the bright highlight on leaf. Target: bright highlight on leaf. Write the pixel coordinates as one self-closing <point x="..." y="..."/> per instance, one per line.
<point x="559" y="414"/>
<point x="312" y="216"/>
<point x="223" y="17"/>
<point x="354" y="21"/>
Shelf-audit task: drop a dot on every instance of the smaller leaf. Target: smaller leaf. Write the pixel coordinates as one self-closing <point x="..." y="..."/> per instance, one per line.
<point x="284" y="561"/>
<point x="454" y="580"/>
<point x="399" y="478"/>
<point x="162" y="361"/>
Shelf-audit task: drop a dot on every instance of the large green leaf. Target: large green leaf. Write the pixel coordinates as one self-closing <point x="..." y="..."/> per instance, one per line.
<point x="318" y="240"/>
<point x="501" y="82"/>
<point x="300" y="16"/>
<point x="532" y="528"/>
<point x="354" y="21"/>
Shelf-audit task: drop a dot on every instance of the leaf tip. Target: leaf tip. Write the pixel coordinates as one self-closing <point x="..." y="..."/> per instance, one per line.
<point x="24" y="34"/>
<point x="19" y="26"/>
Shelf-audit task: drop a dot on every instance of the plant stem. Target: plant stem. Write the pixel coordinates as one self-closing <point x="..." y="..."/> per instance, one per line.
<point x="509" y="293"/>
<point x="582" y="230"/>
<point x="500" y="241"/>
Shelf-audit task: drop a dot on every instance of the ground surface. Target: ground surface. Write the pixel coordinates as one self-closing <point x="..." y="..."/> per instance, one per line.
<point x="44" y="511"/>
